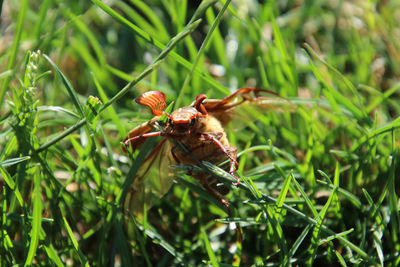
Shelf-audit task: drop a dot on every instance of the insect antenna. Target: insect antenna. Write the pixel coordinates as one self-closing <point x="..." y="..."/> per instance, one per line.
<point x="154" y="100"/>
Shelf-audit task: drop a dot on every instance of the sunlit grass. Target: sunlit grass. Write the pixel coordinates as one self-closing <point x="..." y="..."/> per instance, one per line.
<point x="318" y="171"/>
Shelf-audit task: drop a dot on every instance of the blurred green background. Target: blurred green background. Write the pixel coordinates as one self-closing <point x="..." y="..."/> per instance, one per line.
<point x="319" y="170"/>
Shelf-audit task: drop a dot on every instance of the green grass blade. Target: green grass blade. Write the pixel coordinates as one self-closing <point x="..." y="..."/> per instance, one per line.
<point x="10" y="182"/>
<point x="6" y="74"/>
<point x="112" y="114"/>
<point x="284" y="53"/>
<point x="393" y="198"/>
<point x="154" y="19"/>
<point x="301" y="215"/>
<point x="206" y="241"/>
<point x="121" y="242"/>
<point x="335" y="236"/>
<point x="123" y="91"/>
<point x="263" y="75"/>
<point x="53" y="256"/>
<point x="62" y="135"/>
<point x="10" y="162"/>
<point x="298" y="241"/>
<point x="58" y="109"/>
<point x="342" y="192"/>
<point x="198" y="189"/>
<point x="305" y="197"/>
<point x="282" y="195"/>
<point x="174" y="41"/>
<point x="317" y="228"/>
<point x="154" y="235"/>
<point x="89" y="34"/>
<point x="51" y="251"/>
<point x="129" y="24"/>
<point x="7" y="244"/>
<point x="378" y="100"/>
<point x="228" y="178"/>
<point x="275" y="230"/>
<point x="141" y="22"/>
<point x="389" y="127"/>
<point x="217" y="40"/>
<point x="378" y="218"/>
<point x="119" y="73"/>
<point x="200" y="52"/>
<point x="334" y="94"/>
<point x="340" y="258"/>
<point x="37" y="218"/>
<point x="14" y="48"/>
<point x="342" y="109"/>
<point x="75" y="244"/>
<point x="153" y="40"/>
<point x="42" y="17"/>
<point x="68" y="86"/>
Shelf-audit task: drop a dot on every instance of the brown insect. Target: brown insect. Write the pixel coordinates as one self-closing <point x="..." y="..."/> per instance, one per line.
<point x="200" y="129"/>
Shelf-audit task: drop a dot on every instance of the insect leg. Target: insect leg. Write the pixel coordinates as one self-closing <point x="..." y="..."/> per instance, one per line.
<point x="223" y="201"/>
<point x="245" y="93"/>
<point x="174" y="155"/>
<point x="234" y="163"/>
<point x="127" y="141"/>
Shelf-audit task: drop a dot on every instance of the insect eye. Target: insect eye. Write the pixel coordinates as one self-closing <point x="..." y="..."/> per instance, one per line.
<point x="192" y="121"/>
<point x="170" y="122"/>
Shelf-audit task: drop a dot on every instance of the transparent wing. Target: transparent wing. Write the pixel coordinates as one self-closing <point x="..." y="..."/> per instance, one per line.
<point x="245" y="105"/>
<point x="152" y="181"/>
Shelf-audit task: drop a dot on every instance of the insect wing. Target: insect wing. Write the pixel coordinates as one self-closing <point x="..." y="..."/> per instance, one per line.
<point x="152" y="181"/>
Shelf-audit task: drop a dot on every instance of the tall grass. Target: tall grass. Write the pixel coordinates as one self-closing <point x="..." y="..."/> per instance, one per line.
<point x="319" y="177"/>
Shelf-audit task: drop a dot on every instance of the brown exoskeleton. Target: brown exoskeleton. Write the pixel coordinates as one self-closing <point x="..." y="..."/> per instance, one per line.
<point x="199" y="128"/>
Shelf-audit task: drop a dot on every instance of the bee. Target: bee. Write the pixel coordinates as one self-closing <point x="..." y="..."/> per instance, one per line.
<point x="199" y="127"/>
